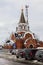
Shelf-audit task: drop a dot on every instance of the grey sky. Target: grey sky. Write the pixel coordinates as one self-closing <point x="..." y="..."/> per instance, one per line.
<point x="10" y="11"/>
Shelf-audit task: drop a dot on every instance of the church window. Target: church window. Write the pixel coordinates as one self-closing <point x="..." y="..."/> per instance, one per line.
<point x="20" y="27"/>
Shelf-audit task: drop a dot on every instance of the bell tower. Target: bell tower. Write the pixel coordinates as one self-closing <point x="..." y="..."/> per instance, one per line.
<point x="23" y="24"/>
<point x="26" y="12"/>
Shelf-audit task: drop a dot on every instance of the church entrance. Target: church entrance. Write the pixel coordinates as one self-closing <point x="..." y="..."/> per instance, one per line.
<point x="31" y="46"/>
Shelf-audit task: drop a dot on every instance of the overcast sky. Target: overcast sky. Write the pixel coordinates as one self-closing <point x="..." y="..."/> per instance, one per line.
<point x="10" y="11"/>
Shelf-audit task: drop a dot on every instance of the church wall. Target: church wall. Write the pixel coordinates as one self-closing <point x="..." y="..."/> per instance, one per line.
<point x="31" y="42"/>
<point x="19" y="43"/>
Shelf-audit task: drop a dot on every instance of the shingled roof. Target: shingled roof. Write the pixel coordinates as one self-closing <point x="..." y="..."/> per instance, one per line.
<point x="22" y="19"/>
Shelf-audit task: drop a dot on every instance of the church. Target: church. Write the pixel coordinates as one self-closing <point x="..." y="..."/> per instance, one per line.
<point x="23" y="37"/>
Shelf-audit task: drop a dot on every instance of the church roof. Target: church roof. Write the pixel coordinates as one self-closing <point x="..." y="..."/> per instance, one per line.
<point x="22" y="19"/>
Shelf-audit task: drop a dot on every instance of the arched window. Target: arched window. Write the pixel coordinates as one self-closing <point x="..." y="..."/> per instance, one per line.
<point x="31" y="46"/>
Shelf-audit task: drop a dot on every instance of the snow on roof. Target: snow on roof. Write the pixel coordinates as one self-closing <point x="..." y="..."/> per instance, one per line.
<point x="29" y="33"/>
<point x="39" y="47"/>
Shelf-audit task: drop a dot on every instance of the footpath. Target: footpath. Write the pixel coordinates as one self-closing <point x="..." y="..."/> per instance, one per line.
<point x="20" y="60"/>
